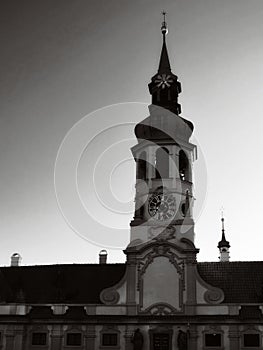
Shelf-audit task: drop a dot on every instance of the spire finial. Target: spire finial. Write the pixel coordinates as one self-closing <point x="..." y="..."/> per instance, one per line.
<point x="164" y="28"/>
<point x="163" y="13"/>
<point x="222" y="219"/>
<point x="164" y="65"/>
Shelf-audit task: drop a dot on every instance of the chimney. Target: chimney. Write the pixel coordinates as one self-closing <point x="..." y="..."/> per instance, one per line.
<point x="103" y="256"/>
<point x="16" y="259"/>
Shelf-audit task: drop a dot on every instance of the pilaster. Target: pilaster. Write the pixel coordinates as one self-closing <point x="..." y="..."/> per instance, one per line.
<point x="56" y="338"/>
<point x="192" y="337"/>
<point x="19" y="336"/>
<point x="90" y="337"/>
<point x="233" y="335"/>
<point x="9" y="339"/>
<point x="128" y="338"/>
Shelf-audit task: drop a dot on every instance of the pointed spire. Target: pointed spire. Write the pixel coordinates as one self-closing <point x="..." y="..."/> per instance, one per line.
<point x="223" y="242"/>
<point x="164" y="65"/>
<point x="164" y="86"/>
<point x="223" y="245"/>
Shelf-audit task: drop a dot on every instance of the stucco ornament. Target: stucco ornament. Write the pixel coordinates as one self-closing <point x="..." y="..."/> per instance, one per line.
<point x="214" y="296"/>
<point x="162" y="233"/>
<point x="161" y="309"/>
<point x="109" y="296"/>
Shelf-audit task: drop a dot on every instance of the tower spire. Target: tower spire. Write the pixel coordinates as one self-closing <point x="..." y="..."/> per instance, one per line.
<point x="223" y="245"/>
<point x="165" y="86"/>
<point x="164" y="65"/>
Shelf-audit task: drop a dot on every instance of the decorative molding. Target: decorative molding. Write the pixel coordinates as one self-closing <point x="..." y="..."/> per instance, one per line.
<point x="109" y="296"/>
<point x="161" y="309"/>
<point x="166" y="234"/>
<point x="110" y="327"/>
<point x="212" y="329"/>
<point x="191" y="259"/>
<point x="250" y="328"/>
<point x="161" y="249"/>
<point x="214" y="296"/>
<point x="59" y="309"/>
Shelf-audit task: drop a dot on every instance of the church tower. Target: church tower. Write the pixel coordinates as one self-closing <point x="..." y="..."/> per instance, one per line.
<point x="164" y="158"/>
<point x="161" y="277"/>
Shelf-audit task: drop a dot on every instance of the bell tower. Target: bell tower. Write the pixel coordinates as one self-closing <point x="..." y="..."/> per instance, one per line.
<point x="164" y="159"/>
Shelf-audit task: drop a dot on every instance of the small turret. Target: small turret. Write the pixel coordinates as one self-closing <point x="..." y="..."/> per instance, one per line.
<point x="223" y="245"/>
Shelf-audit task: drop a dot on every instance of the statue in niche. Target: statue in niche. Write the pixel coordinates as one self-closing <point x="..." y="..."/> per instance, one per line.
<point x="137" y="340"/>
<point x="182" y="340"/>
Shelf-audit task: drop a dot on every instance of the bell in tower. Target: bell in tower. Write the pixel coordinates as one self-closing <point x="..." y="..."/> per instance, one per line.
<point x="164" y="158"/>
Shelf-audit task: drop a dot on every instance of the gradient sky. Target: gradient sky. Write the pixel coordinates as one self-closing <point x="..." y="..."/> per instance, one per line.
<point x="63" y="59"/>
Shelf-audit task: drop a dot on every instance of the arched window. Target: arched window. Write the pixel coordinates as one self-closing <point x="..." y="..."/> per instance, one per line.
<point x="162" y="163"/>
<point x="183" y="166"/>
<point x="142" y="166"/>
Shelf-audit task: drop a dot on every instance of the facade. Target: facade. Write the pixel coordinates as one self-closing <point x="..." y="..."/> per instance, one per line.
<point x="161" y="298"/>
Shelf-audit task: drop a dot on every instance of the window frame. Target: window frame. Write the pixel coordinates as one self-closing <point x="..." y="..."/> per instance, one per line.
<point x="251" y="332"/>
<point x="39" y="332"/>
<point x="110" y="331"/>
<point x="73" y="332"/>
<point x="208" y="347"/>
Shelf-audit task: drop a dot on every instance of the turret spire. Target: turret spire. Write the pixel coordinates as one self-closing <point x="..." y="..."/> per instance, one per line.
<point x="223" y="245"/>
<point x="164" y="65"/>
<point x="164" y="86"/>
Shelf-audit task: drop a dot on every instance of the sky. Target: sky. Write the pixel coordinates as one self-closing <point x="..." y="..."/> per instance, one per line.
<point x="74" y="78"/>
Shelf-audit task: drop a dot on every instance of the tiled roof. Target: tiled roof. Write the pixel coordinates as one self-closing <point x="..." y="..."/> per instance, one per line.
<point x="76" y="283"/>
<point x="241" y="281"/>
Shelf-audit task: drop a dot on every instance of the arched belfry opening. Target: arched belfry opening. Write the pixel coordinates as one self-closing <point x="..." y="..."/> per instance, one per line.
<point x="162" y="163"/>
<point x="184" y="170"/>
<point x="142" y="170"/>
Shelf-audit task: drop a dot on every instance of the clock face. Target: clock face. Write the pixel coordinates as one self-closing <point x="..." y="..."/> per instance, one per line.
<point x="162" y="206"/>
<point x="163" y="80"/>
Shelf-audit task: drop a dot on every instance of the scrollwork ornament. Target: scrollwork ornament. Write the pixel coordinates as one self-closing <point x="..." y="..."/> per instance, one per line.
<point x="109" y="296"/>
<point x="214" y="296"/>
